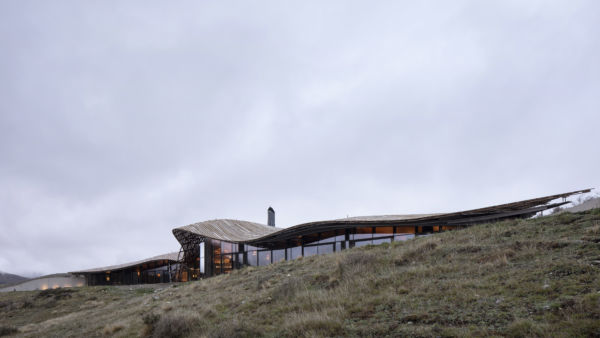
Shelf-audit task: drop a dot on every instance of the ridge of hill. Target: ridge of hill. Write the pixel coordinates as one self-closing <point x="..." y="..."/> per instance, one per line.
<point x="587" y="204"/>
<point x="9" y="278"/>
<point x="535" y="277"/>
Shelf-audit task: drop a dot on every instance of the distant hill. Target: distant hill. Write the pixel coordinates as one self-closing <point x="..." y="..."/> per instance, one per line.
<point x="9" y="278"/>
<point x="588" y="204"/>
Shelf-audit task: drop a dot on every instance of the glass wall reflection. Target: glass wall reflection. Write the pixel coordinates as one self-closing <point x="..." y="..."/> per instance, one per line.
<point x="218" y="257"/>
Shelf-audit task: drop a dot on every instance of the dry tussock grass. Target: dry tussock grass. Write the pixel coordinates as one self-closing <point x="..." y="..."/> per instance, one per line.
<point x="112" y="329"/>
<point x="593" y="230"/>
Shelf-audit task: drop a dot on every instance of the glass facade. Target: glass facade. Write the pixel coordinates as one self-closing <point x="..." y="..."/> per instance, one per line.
<point x="218" y="257"/>
<point x="278" y="255"/>
<point x="310" y="250"/>
<point x="202" y="262"/>
<point x="264" y="257"/>
<point x="253" y="258"/>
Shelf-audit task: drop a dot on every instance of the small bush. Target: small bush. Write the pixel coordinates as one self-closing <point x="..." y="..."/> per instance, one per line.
<point x="7" y="330"/>
<point x="55" y="293"/>
<point x="150" y="318"/>
<point x="7" y="305"/>
<point x="593" y="230"/>
<point x="524" y="328"/>
<point x="417" y="252"/>
<point x="287" y="289"/>
<point x="235" y="329"/>
<point x="173" y="326"/>
<point x="359" y="261"/>
<point x="170" y="325"/>
<point x="567" y="218"/>
<point x="112" y="329"/>
<point x="312" y="324"/>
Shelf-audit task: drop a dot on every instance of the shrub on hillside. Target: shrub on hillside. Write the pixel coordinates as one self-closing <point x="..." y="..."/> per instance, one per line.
<point x="55" y="293"/>
<point x="7" y="330"/>
<point x="235" y="329"/>
<point x="169" y="325"/>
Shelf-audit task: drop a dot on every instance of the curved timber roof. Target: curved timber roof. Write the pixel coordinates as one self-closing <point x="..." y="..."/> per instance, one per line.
<point x="263" y="235"/>
<point x="172" y="256"/>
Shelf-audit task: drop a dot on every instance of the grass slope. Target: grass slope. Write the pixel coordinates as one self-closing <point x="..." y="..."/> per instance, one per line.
<point x="536" y="277"/>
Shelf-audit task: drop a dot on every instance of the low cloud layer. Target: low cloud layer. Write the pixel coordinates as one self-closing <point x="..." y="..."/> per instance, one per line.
<point x="120" y="121"/>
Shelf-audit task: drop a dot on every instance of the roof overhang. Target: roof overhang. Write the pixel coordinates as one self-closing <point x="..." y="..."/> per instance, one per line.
<point x="262" y="235"/>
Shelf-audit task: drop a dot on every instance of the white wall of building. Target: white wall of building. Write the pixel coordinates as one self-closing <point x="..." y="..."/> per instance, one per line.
<point x="44" y="283"/>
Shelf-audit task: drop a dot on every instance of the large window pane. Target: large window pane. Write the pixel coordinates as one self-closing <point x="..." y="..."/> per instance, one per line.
<point x="278" y="255"/>
<point x="310" y="251"/>
<point x="381" y="240"/>
<point x="361" y="243"/>
<point x="239" y="261"/>
<point x="363" y="233"/>
<point x="296" y="252"/>
<point x="201" y="263"/>
<point x="264" y="257"/>
<point x="216" y="247"/>
<point x="227" y="263"/>
<point x="217" y="263"/>
<point x="325" y="249"/>
<point x="403" y="237"/>
<point x="226" y="247"/>
<point x="252" y="258"/>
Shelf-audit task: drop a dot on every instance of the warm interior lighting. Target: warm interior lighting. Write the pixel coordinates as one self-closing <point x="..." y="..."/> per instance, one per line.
<point x="138" y="273"/>
<point x="158" y="274"/>
<point x="108" y="278"/>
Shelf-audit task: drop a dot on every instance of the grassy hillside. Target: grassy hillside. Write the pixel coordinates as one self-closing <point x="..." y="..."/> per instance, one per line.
<point x="537" y="277"/>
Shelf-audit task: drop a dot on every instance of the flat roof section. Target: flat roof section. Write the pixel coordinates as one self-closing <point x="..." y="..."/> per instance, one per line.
<point x="172" y="256"/>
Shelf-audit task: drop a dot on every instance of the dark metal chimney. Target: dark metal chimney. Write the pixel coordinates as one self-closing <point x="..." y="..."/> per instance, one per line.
<point x="271" y="218"/>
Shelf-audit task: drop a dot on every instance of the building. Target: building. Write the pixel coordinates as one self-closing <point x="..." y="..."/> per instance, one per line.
<point x="59" y="280"/>
<point x="158" y="269"/>
<point x="218" y="246"/>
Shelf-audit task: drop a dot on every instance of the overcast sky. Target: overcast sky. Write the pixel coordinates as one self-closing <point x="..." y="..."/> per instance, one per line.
<point x="121" y="120"/>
